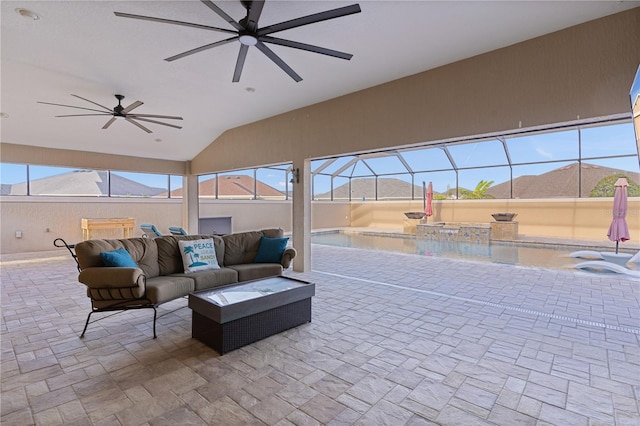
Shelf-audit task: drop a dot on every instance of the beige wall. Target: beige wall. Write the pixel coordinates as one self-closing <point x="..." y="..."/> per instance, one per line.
<point x="581" y="219"/>
<point x="584" y="71"/>
<point x="251" y="215"/>
<point x="24" y="154"/>
<point x="62" y="217"/>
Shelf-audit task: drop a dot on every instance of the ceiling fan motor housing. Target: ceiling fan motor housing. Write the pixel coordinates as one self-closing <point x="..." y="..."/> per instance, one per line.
<point x="117" y="110"/>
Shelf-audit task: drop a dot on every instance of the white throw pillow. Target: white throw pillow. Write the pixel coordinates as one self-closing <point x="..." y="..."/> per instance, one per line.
<point x="198" y="255"/>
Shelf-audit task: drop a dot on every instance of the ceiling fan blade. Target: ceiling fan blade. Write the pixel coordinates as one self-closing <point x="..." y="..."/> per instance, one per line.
<point x="166" y="117"/>
<point x="307" y="47"/>
<point x="83" y="115"/>
<point x="171" y="21"/>
<point x="109" y="123"/>
<point x="222" y="14"/>
<point x="71" y="106"/>
<point x="310" y="19"/>
<point x="134" y="105"/>
<point x="242" y="55"/>
<point x="135" y="123"/>
<point x="254" y="14"/>
<point x="91" y="102"/>
<point x="158" y="122"/>
<point x="200" y="49"/>
<point x="279" y="62"/>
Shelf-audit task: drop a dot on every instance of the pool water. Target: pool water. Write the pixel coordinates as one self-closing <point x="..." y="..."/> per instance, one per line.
<point x="549" y="256"/>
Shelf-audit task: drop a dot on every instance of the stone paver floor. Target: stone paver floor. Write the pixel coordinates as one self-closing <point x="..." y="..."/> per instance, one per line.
<point x="395" y="339"/>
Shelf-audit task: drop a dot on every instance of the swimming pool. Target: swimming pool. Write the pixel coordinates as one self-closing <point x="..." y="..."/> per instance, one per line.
<point x="522" y="254"/>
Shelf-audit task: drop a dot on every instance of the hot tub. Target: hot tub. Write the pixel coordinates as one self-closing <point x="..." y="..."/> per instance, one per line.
<point x="455" y="231"/>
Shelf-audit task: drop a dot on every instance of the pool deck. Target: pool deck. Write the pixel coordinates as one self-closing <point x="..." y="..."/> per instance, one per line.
<point x="395" y="339"/>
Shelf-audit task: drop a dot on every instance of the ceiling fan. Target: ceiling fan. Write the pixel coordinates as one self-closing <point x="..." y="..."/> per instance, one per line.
<point x="119" y="112"/>
<point x="249" y="34"/>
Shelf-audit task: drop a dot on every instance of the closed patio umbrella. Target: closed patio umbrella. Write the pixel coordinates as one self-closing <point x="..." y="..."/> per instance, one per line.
<point x="618" y="230"/>
<point x="428" y="210"/>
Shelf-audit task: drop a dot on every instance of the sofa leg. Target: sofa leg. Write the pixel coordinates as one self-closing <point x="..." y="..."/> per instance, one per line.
<point x="155" y="314"/>
<point x="86" y="324"/>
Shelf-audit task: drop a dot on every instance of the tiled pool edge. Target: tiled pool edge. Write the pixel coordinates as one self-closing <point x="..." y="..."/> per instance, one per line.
<point x="579" y="245"/>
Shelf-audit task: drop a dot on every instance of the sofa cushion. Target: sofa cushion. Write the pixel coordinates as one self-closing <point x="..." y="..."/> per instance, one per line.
<point x="169" y="257"/>
<point x="271" y="250"/>
<point x="143" y="251"/>
<point x="162" y="289"/>
<point x="108" y="283"/>
<point x="254" y="271"/>
<point x="118" y="258"/>
<point x="198" y="255"/>
<point x="211" y="278"/>
<point x="158" y="290"/>
<point x="242" y="247"/>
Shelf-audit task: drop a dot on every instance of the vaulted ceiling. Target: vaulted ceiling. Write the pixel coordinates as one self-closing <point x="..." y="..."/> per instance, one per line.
<point x="83" y="48"/>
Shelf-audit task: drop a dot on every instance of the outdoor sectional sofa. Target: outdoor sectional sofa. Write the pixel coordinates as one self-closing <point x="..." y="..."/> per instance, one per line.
<point x="160" y="275"/>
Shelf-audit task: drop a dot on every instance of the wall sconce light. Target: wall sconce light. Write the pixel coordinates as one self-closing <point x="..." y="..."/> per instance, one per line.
<point x="295" y="175"/>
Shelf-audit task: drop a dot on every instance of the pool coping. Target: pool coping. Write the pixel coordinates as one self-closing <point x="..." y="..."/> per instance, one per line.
<point x="533" y="242"/>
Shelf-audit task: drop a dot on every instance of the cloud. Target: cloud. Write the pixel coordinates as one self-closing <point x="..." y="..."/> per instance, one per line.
<point x="544" y="153"/>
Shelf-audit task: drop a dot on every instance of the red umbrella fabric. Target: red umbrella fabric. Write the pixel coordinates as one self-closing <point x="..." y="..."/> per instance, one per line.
<point x="429" y="199"/>
<point x="618" y="230"/>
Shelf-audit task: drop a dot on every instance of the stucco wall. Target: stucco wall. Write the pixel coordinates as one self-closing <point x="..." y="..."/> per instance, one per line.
<point x="580" y="219"/>
<point x="62" y="217"/>
<point x="25" y="154"/>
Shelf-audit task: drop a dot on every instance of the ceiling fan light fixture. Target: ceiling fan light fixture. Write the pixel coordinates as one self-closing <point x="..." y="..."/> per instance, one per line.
<point x="248" y="39"/>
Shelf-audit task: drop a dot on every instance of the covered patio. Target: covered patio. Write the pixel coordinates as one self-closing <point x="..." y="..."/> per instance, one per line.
<point x="421" y="340"/>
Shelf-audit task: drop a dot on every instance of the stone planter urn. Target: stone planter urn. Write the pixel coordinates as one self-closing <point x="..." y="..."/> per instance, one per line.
<point x="414" y="215"/>
<point x="504" y="217"/>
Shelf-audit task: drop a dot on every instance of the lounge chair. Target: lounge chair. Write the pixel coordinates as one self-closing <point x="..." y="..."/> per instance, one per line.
<point x="617" y="258"/>
<point x="176" y="230"/>
<point x="601" y="265"/>
<point x="586" y="254"/>
<point x="150" y="231"/>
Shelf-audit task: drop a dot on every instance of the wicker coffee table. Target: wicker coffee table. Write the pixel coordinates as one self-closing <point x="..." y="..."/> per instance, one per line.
<point x="226" y="318"/>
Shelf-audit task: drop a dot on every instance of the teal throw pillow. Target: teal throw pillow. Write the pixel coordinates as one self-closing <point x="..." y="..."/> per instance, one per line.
<point x="120" y="258"/>
<point x="271" y="250"/>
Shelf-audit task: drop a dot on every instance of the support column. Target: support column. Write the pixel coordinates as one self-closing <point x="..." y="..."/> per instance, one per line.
<point x="190" y="202"/>
<point x="301" y="215"/>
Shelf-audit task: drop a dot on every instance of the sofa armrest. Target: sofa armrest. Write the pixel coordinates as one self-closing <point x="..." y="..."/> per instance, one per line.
<point x="109" y="283"/>
<point x="287" y="257"/>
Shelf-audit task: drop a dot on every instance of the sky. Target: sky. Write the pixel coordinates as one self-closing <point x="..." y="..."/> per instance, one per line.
<point x="560" y="147"/>
<point x="635" y="88"/>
